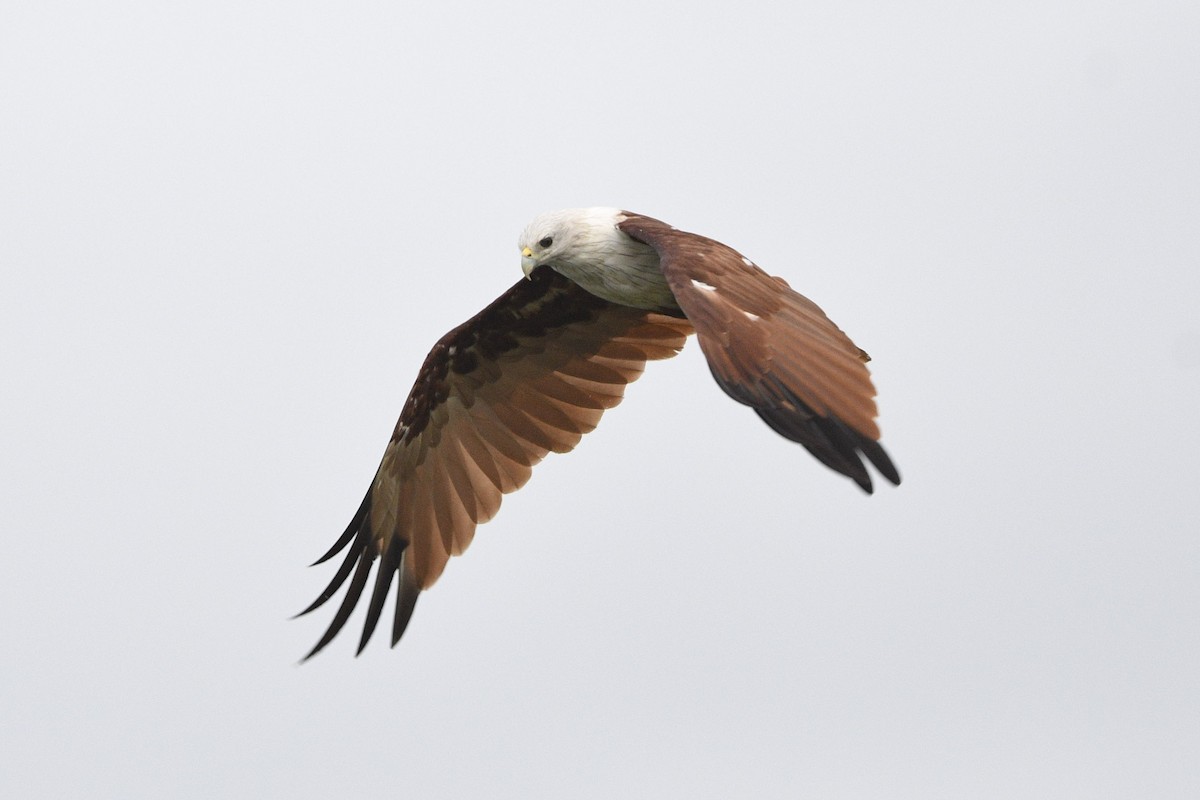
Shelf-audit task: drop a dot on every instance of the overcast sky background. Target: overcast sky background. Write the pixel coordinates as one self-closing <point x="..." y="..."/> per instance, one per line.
<point x="229" y="233"/>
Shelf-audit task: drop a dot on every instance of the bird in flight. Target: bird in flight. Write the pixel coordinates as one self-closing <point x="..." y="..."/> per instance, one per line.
<point x="604" y="292"/>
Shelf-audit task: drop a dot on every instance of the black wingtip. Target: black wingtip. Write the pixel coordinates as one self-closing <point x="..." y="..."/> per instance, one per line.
<point x="361" y="545"/>
<point x="406" y="603"/>
<point x="353" y="592"/>
<point x="389" y="565"/>
<point x="879" y="458"/>
<point x="830" y="441"/>
<point x="853" y="444"/>
<point x="356" y="524"/>
<point x="362" y="553"/>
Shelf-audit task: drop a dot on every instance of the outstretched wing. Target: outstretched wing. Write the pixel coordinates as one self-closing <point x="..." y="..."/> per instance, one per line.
<point x="773" y="349"/>
<point x="528" y="375"/>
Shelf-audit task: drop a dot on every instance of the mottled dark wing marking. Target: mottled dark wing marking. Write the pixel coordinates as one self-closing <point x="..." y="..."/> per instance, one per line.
<point x="773" y="349"/>
<point x="528" y="375"/>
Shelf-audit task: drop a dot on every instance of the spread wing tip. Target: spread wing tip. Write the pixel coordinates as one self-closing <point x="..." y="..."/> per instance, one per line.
<point x="875" y="454"/>
<point x="359" y="559"/>
<point x="879" y="458"/>
<point x="389" y="565"/>
<point x="833" y="443"/>
<point x="351" y="530"/>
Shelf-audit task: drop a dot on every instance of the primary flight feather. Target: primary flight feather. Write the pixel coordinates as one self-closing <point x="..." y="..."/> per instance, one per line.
<point x="605" y="292"/>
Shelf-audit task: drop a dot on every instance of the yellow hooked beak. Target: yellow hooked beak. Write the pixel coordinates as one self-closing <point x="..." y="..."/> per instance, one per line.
<point x="528" y="264"/>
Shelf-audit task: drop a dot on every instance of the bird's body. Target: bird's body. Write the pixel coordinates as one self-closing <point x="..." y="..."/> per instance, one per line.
<point x="606" y="291"/>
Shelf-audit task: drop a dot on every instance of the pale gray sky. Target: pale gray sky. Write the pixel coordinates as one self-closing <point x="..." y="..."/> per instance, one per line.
<point x="229" y="232"/>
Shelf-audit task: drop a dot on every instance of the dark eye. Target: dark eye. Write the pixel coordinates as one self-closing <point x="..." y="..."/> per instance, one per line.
<point x="546" y="242"/>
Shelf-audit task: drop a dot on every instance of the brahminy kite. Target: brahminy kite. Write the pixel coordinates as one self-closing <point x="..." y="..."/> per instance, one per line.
<point x="605" y="292"/>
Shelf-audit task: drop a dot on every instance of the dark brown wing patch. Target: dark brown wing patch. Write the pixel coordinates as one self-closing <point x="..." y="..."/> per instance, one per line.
<point x="528" y="375"/>
<point x="773" y="349"/>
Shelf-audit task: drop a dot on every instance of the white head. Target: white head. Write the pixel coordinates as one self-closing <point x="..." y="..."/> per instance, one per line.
<point x="585" y="245"/>
<point x="570" y="235"/>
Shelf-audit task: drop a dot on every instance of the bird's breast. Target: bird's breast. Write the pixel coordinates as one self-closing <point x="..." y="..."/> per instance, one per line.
<point x="630" y="275"/>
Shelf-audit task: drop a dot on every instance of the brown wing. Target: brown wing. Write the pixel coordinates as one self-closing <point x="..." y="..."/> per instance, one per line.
<point x="528" y="375"/>
<point x="773" y="349"/>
